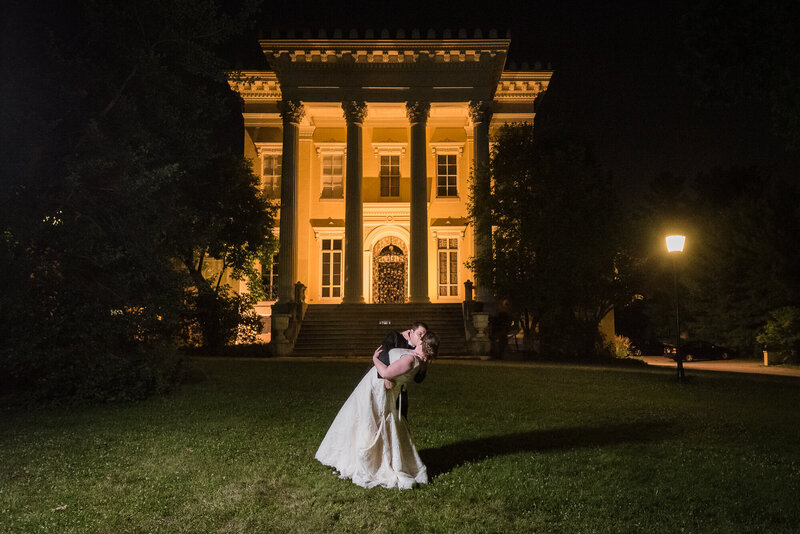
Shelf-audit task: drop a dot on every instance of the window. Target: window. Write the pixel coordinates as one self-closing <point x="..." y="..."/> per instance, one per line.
<point x="390" y="176"/>
<point x="332" y="177"/>
<point x="271" y="175"/>
<point x="446" y="175"/>
<point x="448" y="267"/>
<point x="331" y="268"/>
<point x="269" y="277"/>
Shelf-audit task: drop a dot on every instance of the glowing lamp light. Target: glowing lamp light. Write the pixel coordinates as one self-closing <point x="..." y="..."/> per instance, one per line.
<point x="675" y="243"/>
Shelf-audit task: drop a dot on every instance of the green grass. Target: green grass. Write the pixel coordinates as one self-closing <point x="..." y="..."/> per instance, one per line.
<point x="528" y="448"/>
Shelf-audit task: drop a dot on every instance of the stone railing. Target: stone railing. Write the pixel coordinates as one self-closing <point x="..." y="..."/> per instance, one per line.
<point x="476" y="323"/>
<point x="286" y="322"/>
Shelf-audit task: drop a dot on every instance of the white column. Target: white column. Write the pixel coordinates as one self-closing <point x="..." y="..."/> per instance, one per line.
<point x="291" y="112"/>
<point x="418" y="260"/>
<point x="481" y="115"/>
<point x="354" y="114"/>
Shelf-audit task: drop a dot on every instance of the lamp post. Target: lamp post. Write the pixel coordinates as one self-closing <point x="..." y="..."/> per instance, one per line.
<point x="674" y="247"/>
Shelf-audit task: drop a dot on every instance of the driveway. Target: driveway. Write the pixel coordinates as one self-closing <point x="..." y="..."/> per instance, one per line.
<point x="729" y="366"/>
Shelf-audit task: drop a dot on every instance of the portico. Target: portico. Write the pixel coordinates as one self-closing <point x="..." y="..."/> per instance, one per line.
<point x="376" y="141"/>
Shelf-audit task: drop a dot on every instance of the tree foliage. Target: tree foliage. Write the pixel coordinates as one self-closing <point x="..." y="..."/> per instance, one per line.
<point x="739" y="265"/>
<point x="733" y="43"/>
<point x="745" y="261"/>
<point x="782" y="330"/>
<point x="557" y="253"/>
<point x="121" y="172"/>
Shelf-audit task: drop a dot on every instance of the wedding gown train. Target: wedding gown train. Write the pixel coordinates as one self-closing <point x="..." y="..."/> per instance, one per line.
<point x="368" y="442"/>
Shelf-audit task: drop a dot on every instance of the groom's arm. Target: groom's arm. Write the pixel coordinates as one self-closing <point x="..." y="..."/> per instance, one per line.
<point x="420" y="376"/>
<point x="382" y="352"/>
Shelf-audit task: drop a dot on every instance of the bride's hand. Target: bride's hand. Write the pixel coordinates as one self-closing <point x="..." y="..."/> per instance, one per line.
<point x="387" y="383"/>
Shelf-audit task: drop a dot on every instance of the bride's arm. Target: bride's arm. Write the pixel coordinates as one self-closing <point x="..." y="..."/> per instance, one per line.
<point x="399" y="367"/>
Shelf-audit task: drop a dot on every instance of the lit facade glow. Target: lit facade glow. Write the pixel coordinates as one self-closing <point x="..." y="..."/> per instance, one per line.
<point x="377" y="140"/>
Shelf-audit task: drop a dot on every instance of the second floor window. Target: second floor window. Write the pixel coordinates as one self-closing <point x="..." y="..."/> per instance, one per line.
<point x="271" y="175"/>
<point x="390" y="176"/>
<point x="446" y="175"/>
<point x="332" y="177"/>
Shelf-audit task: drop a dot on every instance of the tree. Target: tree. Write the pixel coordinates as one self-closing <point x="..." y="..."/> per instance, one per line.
<point x="667" y="208"/>
<point x="745" y="262"/>
<point x="781" y="332"/>
<point x="740" y="264"/>
<point x="733" y="43"/>
<point x="557" y="245"/>
<point x="121" y="164"/>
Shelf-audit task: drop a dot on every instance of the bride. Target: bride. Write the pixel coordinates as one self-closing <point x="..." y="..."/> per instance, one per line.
<point x="368" y="442"/>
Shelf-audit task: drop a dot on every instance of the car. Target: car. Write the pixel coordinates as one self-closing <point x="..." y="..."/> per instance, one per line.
<point x="700" y="350"/>
<point x="649" y="347"/>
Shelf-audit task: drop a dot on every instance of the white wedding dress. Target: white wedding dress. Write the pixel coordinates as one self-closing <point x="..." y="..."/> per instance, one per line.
<point x="369" y="442"/>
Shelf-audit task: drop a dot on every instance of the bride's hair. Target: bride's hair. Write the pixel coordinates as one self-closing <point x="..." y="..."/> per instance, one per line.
<point x="430" y="345"/>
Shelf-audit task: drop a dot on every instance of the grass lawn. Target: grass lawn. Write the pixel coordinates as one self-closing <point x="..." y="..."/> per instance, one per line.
<point x="528" y="448"/>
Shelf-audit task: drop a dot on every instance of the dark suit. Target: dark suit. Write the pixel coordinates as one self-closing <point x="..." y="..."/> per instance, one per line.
<point x="395" y="340"/>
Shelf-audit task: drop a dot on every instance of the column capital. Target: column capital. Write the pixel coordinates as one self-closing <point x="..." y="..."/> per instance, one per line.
<point x="354" y="111"/>
<point x="418" y="111"/>
<point x="480" y="111"/>
<point x="291" y="110"/>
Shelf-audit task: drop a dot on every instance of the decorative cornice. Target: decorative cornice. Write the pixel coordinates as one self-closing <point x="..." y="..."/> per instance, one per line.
<point x="354" y="111"/>
<point x="447" y="147"/>
<point x="274" y="149"/>
<point x="330" y="148"/>
<point x="327" y="228"/>
<point x="291" y="111"/>
<point x="389" y="148"/>
<point x="255" y="85"/>
<point x="515" y="86"/>
<point x="382" y="50"/>
<point x="480" y="111"/>
<point x="418" y="112"/>
<point x="449" y="227"/>
<point x="401" y="34"/>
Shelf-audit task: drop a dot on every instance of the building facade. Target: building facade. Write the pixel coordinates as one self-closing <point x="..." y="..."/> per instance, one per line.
<point x="369" y="146"/>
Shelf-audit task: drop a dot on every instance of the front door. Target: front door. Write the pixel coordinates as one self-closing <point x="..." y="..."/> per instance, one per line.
<point x="390" y="276"/>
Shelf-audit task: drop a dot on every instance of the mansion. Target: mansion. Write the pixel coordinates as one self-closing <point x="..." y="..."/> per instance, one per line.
<point x="369" y="145"/>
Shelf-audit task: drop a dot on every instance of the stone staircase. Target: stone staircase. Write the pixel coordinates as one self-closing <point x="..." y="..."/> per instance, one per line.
<point x="356" y="330"/>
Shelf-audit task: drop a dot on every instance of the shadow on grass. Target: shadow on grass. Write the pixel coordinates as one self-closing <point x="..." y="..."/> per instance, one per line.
<point x="446" y="458"/>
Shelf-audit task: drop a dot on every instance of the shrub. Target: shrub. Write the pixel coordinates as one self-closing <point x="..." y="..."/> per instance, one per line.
<point x="622" y="348"/>
<point x="782" y="332"/>
<point x="90" y="373"/>
<point x="216" y="319"/>
<point x="64" y="345"/>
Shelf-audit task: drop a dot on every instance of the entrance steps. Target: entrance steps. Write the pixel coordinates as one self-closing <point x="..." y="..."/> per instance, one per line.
<point x="356" y="330"/>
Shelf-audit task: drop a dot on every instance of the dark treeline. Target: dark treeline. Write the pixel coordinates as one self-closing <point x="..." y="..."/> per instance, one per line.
<point x="122" y="180"/>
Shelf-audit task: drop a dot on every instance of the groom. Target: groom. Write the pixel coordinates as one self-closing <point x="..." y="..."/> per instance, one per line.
<point x="408" y="339"/>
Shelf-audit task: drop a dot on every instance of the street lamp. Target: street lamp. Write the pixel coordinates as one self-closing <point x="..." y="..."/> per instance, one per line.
<point x="674" y="247"/>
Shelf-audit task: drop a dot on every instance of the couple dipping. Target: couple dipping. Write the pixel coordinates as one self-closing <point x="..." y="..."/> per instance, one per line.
<point x="369" y="441"/>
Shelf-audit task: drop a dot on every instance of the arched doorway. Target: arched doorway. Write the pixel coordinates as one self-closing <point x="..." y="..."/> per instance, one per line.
<point x="389" y="268"/>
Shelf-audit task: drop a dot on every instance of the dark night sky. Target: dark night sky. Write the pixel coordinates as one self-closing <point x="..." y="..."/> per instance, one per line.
<point x="616" y="78"/>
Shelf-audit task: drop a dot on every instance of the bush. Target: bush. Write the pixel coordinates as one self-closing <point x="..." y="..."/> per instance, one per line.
<point x="128" y="374"/>
<point x="781" y="333"/>
<point x="782" y="329"/>
<point x="64" y="345"/>
<point x="216" y="319"/>
<point x="622" y="348"/>
<point x="565" y="337"/>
